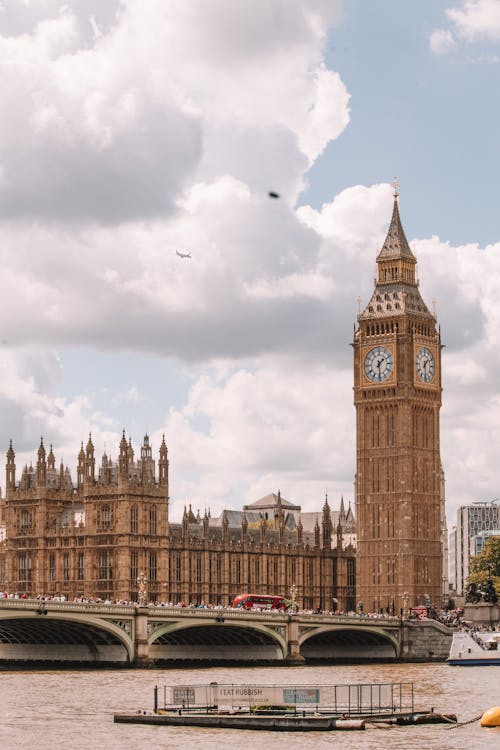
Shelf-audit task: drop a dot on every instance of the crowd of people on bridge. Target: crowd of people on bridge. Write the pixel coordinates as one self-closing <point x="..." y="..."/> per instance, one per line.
<point x="57" y="598"/>
<point x="452" y="618"/>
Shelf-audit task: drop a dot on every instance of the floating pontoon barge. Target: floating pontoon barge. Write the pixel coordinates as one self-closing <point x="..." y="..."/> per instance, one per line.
<point x="285" y="708"/>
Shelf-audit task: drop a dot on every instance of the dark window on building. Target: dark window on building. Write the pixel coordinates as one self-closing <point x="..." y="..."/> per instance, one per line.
<point x="152" y="566"/>
<point x="105" y="517"/>
<point x="133" y="520"/>
<point x="351" y="572"/>
<point x="152" y="520"/>
<point x="81" y="567"/>
<point x="134" y="565"/>
<point x="26" y="521"/>
<point x="52" y="567"/>
<point x="25" y="571"/>
<point x="66" y="566"/>
<point x="105" y="566"/>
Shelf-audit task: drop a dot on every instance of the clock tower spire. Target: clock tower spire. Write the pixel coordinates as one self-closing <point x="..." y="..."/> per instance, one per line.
<point x="397" y="395"/>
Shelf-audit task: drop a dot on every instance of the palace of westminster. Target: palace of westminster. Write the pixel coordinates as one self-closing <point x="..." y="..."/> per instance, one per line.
<point x="97" y="538"/>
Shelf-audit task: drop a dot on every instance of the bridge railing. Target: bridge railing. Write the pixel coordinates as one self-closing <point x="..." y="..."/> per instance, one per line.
<point x="52" y="606"/>
<point x="197" y="613"/>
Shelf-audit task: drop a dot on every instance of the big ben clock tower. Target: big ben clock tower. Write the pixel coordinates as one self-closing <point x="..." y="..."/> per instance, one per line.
<point x="397" y="395"/>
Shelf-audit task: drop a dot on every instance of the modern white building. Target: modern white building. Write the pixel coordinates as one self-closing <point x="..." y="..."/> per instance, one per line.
<point x="477" y="542"/>
<point x="472" y="520"/>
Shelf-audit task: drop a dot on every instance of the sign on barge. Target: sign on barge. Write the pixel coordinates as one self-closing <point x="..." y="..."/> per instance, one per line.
<point x="285" y="708"/>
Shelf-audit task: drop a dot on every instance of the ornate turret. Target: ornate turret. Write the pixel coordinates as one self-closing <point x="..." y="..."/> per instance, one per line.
<point x="41" y="466"/>
<point x="340" y="540"/>
<point x="80" y="470"/>
<point x="317" y="534"/>
<point x="130" y="452"/>
<point x="147" y="463"/>
<point x="10" y="469"/>
<point x="185" y="522"/>
<point x="106" y="469"/>
<point x="123" y="457"/>
<point x="278" y="513"/>
<point x="89" y="461"/>
<point x="342" y="515"/>
<point x="225" y="524"/>
<point x="326" y="525"/>
<point x="51" y="460"/>
<point x="244" y="525"/>
<point x="163" y="463"/>
<point x="206" y="523"/>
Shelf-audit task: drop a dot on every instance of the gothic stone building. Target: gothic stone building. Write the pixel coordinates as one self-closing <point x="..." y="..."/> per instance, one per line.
<point x="97" y="538"/>
<point x="397" y="395"/>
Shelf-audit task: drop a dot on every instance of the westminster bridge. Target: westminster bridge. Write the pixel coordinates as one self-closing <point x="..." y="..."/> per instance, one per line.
<point x="63" y="633"/>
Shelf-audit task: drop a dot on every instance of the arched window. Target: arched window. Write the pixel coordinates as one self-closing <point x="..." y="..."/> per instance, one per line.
<point x="152" y="520"/>
<point x="152" y="566"/>
<point x="105" y="517"/>
<point x="133" y="519"/>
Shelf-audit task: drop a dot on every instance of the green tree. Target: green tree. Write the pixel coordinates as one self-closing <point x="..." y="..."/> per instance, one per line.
<point x="486" y="565"/>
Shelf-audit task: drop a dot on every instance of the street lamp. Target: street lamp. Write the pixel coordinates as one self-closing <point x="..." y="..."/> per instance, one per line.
<point x="142" y="585"/>
<point x="293" y="597"/>
<point x="405" y="599"/>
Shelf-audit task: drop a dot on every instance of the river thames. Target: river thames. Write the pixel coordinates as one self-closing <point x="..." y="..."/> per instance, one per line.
<point x="46" y="710"/>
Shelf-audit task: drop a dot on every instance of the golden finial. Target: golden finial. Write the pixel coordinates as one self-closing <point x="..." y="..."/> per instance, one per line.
<point x="395" y="186"/>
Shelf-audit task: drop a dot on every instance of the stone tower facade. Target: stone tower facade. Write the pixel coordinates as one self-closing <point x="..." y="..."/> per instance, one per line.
<point x="102" y="537"/>
<point x="397" y="395"/>
<point x="90" y="540"/>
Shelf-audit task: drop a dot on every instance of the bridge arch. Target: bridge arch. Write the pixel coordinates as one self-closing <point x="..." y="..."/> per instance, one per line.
<point x="348" y="643"/>
<point x="232" y="641"/>
<point x="69" y="637"/>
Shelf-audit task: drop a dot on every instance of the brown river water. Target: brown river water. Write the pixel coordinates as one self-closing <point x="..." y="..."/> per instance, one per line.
<point x="74" y="709"/>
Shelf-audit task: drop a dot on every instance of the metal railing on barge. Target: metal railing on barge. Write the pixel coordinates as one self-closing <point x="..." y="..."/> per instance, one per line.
<point x="363" y="699"/>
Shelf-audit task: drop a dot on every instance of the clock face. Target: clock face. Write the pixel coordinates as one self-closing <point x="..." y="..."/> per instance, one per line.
<point x="378" y="364"/>
<point x="426" y="366"/>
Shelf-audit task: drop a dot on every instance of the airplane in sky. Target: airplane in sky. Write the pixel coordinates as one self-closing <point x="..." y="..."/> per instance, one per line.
<point x="183" y="255"/>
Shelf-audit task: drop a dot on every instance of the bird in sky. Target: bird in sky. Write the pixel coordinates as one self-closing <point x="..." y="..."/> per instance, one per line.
<point x="183" y="255"/>
<point x="273" y="194"/>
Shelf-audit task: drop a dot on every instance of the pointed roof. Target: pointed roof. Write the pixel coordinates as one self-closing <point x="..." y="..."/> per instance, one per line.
<point x="396" y="290"/>
<point x="395" y="245"/>
<point x="10" y="453"/>
<point x="271" y="501"/>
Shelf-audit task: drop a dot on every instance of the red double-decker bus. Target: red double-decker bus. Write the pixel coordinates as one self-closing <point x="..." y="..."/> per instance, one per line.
<point x="259" y="602"/>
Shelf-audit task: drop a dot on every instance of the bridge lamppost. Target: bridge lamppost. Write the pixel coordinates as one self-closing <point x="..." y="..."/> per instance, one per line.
<point x="142" y="586"/>
<point x="405" y="599"/>
<point x="293" y="597"/>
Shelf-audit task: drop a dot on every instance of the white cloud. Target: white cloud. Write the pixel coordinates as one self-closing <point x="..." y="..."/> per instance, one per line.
<point x="268" y="430"/>
<point x="112" y="127"/>
<point x="134" y="131"/>
<point x="472" y="21"/>
<point x="442" y="41"/>
<point x="476" y="19"/>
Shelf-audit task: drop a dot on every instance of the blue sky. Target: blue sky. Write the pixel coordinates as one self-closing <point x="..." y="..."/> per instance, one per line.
<point x="139" y="127"/>
<point x="432" y="119"/>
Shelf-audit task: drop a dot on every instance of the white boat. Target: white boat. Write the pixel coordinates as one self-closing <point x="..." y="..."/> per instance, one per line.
<point x="475" y="649"/>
